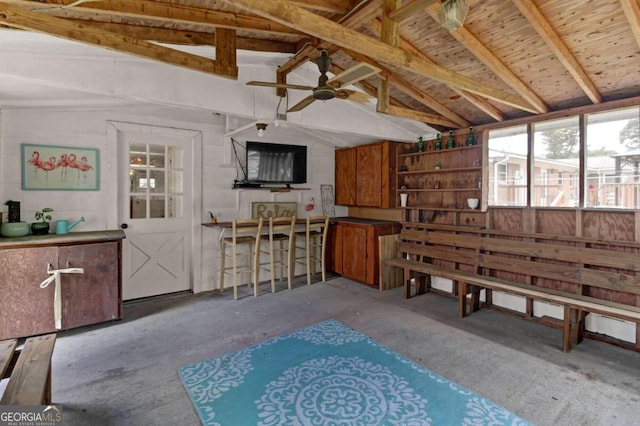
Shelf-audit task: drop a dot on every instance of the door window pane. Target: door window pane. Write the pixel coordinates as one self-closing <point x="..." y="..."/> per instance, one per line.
<point x="613" y="155"/>
<point x="156" y="181"/>
<point x="556" y="146"/>
<point x="138" y="207"/>
<point x="508" y="167"/>
<point x="156" y="207"/>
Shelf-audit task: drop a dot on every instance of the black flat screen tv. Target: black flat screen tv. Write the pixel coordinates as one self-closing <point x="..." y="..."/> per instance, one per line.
<point x="276" y="163"/>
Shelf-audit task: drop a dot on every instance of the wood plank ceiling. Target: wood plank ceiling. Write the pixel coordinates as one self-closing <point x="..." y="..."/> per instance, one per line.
<point x="510" y="59"/>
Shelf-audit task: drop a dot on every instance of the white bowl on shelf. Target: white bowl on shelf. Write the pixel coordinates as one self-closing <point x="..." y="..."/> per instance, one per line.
<point x="473" y="203"/>
<point x="14" y="229"/>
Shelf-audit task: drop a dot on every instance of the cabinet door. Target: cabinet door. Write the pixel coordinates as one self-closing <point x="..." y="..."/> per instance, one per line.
<point x="25" y="308"/>
<point x="354" y="247"/>
<point x="334" y="248"/>
<point x="345" y="177"/>
<point x="94" y="296"/>
<point x="369" y="176"/>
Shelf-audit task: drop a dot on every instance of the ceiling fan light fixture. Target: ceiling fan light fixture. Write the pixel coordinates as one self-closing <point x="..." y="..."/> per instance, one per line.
<point x="452" y="14"/>
<point x="261" y="128"/>
<point x="324" y="93"/>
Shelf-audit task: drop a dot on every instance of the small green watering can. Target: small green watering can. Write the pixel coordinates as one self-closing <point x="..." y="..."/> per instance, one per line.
<point x="63" y="226"/>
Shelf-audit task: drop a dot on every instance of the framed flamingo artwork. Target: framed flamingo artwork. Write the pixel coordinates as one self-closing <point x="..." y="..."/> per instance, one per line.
<point x="60" y="168"/>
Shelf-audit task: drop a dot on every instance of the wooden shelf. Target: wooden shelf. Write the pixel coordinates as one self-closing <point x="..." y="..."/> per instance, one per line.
<point x="443" y="209"/>
<point x="442" y="151"/>
<point x="451" y="170"/>
<point x="440" y="190"/>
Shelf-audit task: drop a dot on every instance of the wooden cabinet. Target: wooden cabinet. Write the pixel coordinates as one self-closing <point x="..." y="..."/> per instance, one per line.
<point x="345" y="177"/>
<point x="440" y="180"/>
<point x="365" y="175"/>
<point x="89" y="298"/>
<point x="353" y="247"/>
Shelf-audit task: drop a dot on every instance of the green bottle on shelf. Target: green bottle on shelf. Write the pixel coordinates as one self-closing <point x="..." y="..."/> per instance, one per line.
<point x="451" y="142"/>
<point x="420" y="144"/>
<point x="438" y="144"/>
<point x="471" y="138"/>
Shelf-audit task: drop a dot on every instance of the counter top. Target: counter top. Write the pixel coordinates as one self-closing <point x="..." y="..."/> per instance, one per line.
<point x="66" y="239"/>
<point x="361" y="221"/>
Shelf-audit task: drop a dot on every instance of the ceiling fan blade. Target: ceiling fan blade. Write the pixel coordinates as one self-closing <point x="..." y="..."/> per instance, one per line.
<point x="353" y="75"/>
<point x="278" y="85"/>
<point x="302" y="104"/>
<point x="353" y="95"/>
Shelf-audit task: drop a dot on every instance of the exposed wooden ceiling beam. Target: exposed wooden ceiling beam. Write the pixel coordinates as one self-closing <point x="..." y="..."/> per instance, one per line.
<point x="389" y="35"/>
<point x="481" y="52"/>
<point x="26" y="19"/>
<point x="632" y="11"/>
<point x="475" y="100"/>
<point x="411" y="90"/>
<point x="420" y="116"/>
<point x="409" y="9"/>
<point x="545" y="30"/>
<point x="195" y="38"/>
<point x="287" y="14"/>
<point x="160" y="12"/>
<point x="340" y="7"/>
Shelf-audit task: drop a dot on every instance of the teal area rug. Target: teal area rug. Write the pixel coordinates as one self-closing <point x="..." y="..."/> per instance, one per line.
<point x="329" y="374"/>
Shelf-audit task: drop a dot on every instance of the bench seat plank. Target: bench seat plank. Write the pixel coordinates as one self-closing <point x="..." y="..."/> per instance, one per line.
<point x="30" y="382"/>
<point x="7" y="348"/>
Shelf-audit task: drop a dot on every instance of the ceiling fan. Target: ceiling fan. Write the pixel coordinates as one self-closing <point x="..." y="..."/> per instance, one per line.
<point x="329" y="88"/>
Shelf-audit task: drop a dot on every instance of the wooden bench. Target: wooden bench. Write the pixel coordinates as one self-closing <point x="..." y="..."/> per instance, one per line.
<point x="580" y="275"/>
<point x="29" y="370"/>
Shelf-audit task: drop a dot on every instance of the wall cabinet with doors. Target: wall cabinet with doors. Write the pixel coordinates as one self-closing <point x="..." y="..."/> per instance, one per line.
<point x="365" y="175"/>
<point x="353" y="247"/>
<point x="92" y="297"/>
<point x="441" y="180"/>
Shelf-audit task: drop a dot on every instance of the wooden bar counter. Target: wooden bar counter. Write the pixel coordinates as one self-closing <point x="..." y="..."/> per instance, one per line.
<point x="91" y="297"/>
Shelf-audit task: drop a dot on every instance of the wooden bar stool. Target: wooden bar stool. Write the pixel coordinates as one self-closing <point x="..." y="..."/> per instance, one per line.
<point x="281" y="231"/>
<point x="314" y="237"/>
<point x="245" y="234"/>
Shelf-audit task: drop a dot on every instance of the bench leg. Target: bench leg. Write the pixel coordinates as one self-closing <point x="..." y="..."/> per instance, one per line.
<point x="475" y="298"/>
<point x="462" y="298"/>
<point x="577" y="331"/>
<point x="571" y="328"/>
<point x="407" y="283"/>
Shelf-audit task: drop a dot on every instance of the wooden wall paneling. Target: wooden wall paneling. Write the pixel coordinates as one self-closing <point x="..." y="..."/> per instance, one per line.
<point x="608" y="225"/>
<point x="529" y="219"/>
<point x="507" y="219"/>
<point x="555" y="221"/>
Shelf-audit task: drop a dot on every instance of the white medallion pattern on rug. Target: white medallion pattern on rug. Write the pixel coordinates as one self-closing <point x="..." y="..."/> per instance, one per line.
<point x="329" y="332"/>
<point x="210" y="379"/>
<point x="341" y="391"/>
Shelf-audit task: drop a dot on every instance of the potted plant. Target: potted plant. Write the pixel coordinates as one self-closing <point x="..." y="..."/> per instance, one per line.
<point x="41" y="228"/>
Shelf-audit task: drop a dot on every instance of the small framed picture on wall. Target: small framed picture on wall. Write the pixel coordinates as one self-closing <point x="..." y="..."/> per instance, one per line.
<point x="60" y="168"/>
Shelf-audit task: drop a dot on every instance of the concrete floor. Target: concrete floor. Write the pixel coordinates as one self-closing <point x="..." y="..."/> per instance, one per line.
<point x="124" y="373"/>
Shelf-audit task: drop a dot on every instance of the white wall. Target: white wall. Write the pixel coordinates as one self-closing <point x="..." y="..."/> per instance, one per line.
<point x="88" y="128"/>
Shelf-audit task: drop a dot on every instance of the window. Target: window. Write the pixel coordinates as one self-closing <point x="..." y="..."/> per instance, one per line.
<point x="611" y="173"/>
<point x="507" y="166"/>
<point x="613" y="155"/>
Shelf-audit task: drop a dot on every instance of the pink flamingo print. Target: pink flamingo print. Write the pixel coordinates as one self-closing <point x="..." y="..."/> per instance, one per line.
<point x="63" y="164"/>
<point x="84" y="167"/>
<point x="74" y="164"/>
<point x="48" y="166"/>
<point x="35" y="161"/>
